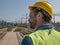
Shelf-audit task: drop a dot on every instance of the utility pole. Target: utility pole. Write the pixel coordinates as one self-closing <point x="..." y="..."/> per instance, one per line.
<point x="21" y="19"/>
<point x="54" y="19"/>
<point x="26" y="19"/>
<point x="16" y="22"/>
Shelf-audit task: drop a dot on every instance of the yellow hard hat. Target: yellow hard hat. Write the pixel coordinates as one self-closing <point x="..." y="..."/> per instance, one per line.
<point x="43" y="5"/>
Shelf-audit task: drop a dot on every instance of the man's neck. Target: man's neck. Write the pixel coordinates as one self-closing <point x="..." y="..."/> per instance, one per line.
<point x="41" y="23"/>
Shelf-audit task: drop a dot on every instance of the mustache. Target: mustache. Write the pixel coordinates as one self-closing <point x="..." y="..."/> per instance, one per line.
<point x="29" y="22"/>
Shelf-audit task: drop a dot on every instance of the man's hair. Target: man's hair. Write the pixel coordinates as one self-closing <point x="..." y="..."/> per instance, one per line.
<point x="46" y="16"/>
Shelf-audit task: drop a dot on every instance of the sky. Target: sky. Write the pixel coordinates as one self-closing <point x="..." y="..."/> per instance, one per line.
<point x="13" y="10"/>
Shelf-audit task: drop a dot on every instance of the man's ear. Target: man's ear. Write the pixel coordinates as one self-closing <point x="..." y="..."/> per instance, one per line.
<point x="39" y="14"/>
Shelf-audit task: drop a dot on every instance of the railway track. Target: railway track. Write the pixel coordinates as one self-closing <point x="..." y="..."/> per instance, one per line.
<point x="3" y="32"/>
<point x="19" y="37"/>
<point x="11" y="38"/>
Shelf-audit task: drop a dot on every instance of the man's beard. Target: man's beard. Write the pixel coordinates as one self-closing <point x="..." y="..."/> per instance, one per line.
<point x="33" y="24"/>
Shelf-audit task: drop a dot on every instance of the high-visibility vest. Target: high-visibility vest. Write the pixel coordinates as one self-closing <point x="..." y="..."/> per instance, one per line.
<point x="45" y="37"/>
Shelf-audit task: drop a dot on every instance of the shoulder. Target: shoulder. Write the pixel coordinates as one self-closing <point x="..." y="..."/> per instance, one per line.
<point x="27" y="41"/>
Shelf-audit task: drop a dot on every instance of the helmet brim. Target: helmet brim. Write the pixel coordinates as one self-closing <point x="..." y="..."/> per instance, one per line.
<point x="31" y="7"/>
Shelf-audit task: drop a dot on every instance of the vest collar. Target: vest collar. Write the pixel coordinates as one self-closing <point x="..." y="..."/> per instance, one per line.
<point x="45" y="26"/>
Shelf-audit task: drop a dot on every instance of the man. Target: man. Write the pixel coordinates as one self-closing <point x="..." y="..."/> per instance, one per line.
<point x="40" y="18"/>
